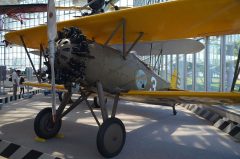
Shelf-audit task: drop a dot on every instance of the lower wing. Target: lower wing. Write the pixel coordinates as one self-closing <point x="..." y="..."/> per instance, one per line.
<point x="174" y="97"/>
<point x="167" y="97"/>
<point x="45" y="86"/>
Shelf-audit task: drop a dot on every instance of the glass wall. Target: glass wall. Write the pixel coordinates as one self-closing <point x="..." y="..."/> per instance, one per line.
<point x="14" y="56"/>
<point x="212" y="69"/>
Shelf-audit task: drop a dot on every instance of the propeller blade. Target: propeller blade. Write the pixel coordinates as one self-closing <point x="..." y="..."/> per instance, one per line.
<point x="51" y="21"/>
<point x="52" y="33"/>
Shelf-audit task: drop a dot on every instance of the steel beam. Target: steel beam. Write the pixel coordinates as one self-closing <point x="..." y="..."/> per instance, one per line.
<point x="194" y="72"/>
<point x="206" y="68"/>
<point x="223" y="63"/>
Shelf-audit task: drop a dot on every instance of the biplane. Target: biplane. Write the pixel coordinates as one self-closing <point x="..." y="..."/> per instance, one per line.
<point x="16" y="11"/>
<point x="81" y="52"/>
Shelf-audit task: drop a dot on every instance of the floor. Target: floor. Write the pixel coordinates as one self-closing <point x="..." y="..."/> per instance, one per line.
<point x="152" y="132"/>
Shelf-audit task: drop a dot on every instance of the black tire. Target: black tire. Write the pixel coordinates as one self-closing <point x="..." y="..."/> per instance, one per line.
<point x="111" y="137"/>
<point x="44" y="126"/>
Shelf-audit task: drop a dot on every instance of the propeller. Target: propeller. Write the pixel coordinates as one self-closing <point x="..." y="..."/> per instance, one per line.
<point x="52" y="33"/>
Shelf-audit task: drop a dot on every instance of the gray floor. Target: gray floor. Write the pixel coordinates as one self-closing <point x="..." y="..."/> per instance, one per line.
<point x="152" y="132"/>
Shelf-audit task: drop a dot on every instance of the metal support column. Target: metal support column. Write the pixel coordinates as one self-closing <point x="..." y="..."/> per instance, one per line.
<point x="4" y="56"/>
<point x="177" y="63"/>
<point x="185" y="71"/>
<point x="223" y="62"/>
<point x="166" y="68"/>
<point x="206" y="64"/>
<point x="194" y="73"/>
<point x="171" y="65"/>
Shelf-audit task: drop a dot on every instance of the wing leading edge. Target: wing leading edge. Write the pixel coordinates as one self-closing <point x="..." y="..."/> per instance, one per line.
<point x="45" y="86"/>
<point x="173" y="97"/>
<point x="164" y="21"/>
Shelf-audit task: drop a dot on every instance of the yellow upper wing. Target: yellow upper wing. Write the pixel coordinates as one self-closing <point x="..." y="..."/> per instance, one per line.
<point x="163" y="21"/>
<point x="172" y="97"/>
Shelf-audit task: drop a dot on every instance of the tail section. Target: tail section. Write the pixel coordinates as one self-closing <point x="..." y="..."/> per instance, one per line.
<point x="174" y="80"/>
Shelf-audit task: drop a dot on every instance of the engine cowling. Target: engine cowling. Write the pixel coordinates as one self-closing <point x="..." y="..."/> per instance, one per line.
<point x="72" y="54"/>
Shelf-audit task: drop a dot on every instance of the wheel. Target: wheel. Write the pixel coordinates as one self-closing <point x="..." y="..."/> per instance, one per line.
<point x="44" y="126"/>
<point x="111" y="137"/>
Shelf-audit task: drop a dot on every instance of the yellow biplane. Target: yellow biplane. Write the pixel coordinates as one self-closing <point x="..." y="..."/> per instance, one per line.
<point x="83" y="55"/>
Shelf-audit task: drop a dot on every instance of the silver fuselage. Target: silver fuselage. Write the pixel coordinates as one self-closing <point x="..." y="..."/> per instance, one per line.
<point x="115" y="72"/>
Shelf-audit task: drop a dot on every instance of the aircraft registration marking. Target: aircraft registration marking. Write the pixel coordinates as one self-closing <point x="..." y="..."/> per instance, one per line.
<point x="141" y="79"/>
<point x="154" y="84"/>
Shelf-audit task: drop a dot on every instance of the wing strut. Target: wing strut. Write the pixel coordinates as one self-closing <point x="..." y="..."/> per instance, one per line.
<point x="24" y="45"/>
<point x="236" y="73"/>
<point x="124" y="38"/>
<point x="40" y="59"/>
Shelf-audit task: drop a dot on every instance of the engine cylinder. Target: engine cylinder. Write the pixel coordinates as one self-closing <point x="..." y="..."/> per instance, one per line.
<point x="71" y="56"/>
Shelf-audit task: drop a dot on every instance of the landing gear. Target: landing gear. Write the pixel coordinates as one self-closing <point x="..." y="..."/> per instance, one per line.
<point x="111" y="137"/>
<point x="44" y="126"/>
<point x="174" y="110"/>
<point x="95" y="101"/>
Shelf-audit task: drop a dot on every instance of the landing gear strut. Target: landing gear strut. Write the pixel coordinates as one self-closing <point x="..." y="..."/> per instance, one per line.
<point x="174" y="110"/>
<point x="111" y="134"/>
<point x="95" y="101"/>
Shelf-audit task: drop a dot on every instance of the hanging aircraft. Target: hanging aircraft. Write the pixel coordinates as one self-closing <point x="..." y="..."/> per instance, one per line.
<point x="16" y="11"/>
<point x="80" y="52"/>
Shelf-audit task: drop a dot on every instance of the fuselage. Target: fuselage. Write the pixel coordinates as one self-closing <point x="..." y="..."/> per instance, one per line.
<point x="115" y="72"/>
